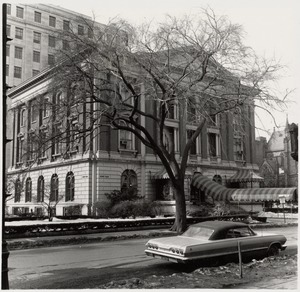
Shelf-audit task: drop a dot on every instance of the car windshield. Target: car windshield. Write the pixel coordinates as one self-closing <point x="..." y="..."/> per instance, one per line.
<point x="198" y="232"/>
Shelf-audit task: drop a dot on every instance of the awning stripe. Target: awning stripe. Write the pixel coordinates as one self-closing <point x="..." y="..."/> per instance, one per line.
<point x="263" y="194"/>
<point x="211" y="188"/>
<point x="221" y="193"/>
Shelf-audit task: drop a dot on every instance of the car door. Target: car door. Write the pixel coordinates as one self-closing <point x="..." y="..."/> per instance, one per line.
<point x="250" y="244"/>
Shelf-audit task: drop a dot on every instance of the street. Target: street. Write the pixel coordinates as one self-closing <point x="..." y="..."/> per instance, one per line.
<point x="89" y="265"/>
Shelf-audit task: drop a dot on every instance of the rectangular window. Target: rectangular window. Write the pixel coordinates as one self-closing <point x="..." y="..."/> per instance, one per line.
<point x="19" y="33"/>
<point x="20" y="12"/>
<point x="126" y="140"/>
<point x="7" y="70"/>
<point x="37" y="17"/>
<point x="33" y="112"/>
<point x="52" y="21"/>
<point x="8" y="28"/>
<point x="80" y="30"/>
<point x="212" y="144"/>
<point x="22" y="117"/>
<point x="17" y="72"/>
<point x="45" y="108"/>
<point x="193" y="150"/>
<point x="7" y="50"/>
<point x="36" y="37"/>
<point x="35" y="72"/>
<point x="66" y="45"/>
<point x="51" y="59"/>
<point x="8" y="9"/>
<point x="90" y="33"/>
<point x="18" y="52"/>
<point x="36" y="56"/>
<point x="66" y="25"/>
<point x="51" y="41"/>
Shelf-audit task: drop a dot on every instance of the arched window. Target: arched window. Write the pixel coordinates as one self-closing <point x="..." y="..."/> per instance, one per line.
<point x="128" y="180"/>
<point x="28" y="190"/>
<point x="40" y="189"/>
<point x="22" y="117"/>
<point x="70" y="186"/>
<point x="18" y="189"/>
<point x="54" y="188"/>
<point x="217" y="179"/>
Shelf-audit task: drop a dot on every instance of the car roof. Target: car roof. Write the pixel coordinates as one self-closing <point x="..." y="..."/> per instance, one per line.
<point x="218" y="225"/>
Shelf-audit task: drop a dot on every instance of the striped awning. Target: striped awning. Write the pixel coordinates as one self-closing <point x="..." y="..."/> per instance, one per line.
<point x="162" y="174"/>
<point x="264" y="194"/>
<point x="211" y="188"/>
<point x="245" y="175"/>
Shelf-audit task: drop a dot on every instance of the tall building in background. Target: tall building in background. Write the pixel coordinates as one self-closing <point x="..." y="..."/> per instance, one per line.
<point x="32" y="28"/>
<point x="274" y="159"/>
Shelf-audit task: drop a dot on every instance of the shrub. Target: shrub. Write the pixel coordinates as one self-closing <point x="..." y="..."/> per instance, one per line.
<point x="126" y="209"/>
<point x="73" y="210"/>
<point x="125" y="195"/>
<point x="102" y="209"/>
<point x="123" y="209"/>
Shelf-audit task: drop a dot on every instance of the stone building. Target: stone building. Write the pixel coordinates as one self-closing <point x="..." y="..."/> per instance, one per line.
<point x="83" y="172"/>
<point x="274" y="159"/>
<point x="32" y="28"/>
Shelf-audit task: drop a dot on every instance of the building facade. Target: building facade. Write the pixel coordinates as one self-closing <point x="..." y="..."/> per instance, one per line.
<point x="79" y="172"/>
<point x="32" y="28"/>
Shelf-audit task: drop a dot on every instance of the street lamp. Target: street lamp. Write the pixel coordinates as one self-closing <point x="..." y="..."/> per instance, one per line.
<point x="5" y="252"/>
<point x="282" y="201"/>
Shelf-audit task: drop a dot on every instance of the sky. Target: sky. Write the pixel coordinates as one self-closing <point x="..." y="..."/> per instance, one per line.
<point x="271" y="26"/>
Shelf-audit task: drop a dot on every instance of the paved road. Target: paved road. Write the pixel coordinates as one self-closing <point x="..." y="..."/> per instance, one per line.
<point x="89" y="265"/>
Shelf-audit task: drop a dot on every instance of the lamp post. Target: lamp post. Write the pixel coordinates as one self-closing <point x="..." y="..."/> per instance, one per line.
<point x="5" y="252"/>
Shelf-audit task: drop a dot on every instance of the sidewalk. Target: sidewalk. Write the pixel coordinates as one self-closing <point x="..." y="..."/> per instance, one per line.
<point x="32" y="242"/>
<point x="289" y="283"/>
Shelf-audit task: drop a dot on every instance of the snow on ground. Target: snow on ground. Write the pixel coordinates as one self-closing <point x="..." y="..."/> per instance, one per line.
<point x="85" y="220"/>
<point x="81" y="220"/>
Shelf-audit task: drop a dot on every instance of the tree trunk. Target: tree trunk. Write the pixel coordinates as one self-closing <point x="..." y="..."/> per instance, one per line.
<point x="180" y="223"/>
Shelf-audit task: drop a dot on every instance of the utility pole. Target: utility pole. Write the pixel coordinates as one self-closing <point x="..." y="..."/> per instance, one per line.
<point x="5" y="252"/>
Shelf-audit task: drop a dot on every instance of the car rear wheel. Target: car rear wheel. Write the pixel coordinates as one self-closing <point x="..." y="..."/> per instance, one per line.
<point x="273" y="250"/>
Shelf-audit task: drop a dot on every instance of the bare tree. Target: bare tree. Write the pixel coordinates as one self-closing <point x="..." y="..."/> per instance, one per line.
<point x="126" y="77"/>
<point x="48" y="198"/>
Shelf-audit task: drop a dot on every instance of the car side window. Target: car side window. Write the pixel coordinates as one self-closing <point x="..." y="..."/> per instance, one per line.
<point x="239" y="232"/>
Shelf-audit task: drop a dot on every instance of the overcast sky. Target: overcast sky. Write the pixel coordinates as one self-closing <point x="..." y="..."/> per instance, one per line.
<point x="272" y="29"/>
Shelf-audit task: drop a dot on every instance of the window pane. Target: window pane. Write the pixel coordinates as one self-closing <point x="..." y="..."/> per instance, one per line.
<point x="20" y="12"/>
<point x="37" y="17"/>
<point x="8" y="30"/>
<point x="66" y="25"/>
<point x="7" y="70"/>
<point x="18" y="52"/>
<point x="80" y="30"/>
<point x="8" y="9"/>
<point x="36" y="37"/>
<point x="36" y="56"/>
<point x="19" y="33"/>
<point x="35" y="72"/>
<point x="7" y="50"/>
<point x="52" y="21"/>
<point x="51" y="41"/>
<point x="51" y="59"/>
<point x="17" y="72"/>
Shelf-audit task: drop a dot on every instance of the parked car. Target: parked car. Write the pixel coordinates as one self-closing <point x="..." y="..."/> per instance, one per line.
<point x="214" y="240"/>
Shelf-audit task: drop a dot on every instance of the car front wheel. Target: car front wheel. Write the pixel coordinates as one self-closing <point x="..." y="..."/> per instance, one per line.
<point x="273" y="250"/>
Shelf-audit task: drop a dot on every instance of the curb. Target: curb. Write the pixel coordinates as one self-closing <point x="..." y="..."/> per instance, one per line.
<point x="75" y="239"/>
<point x="27" y="243"/>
